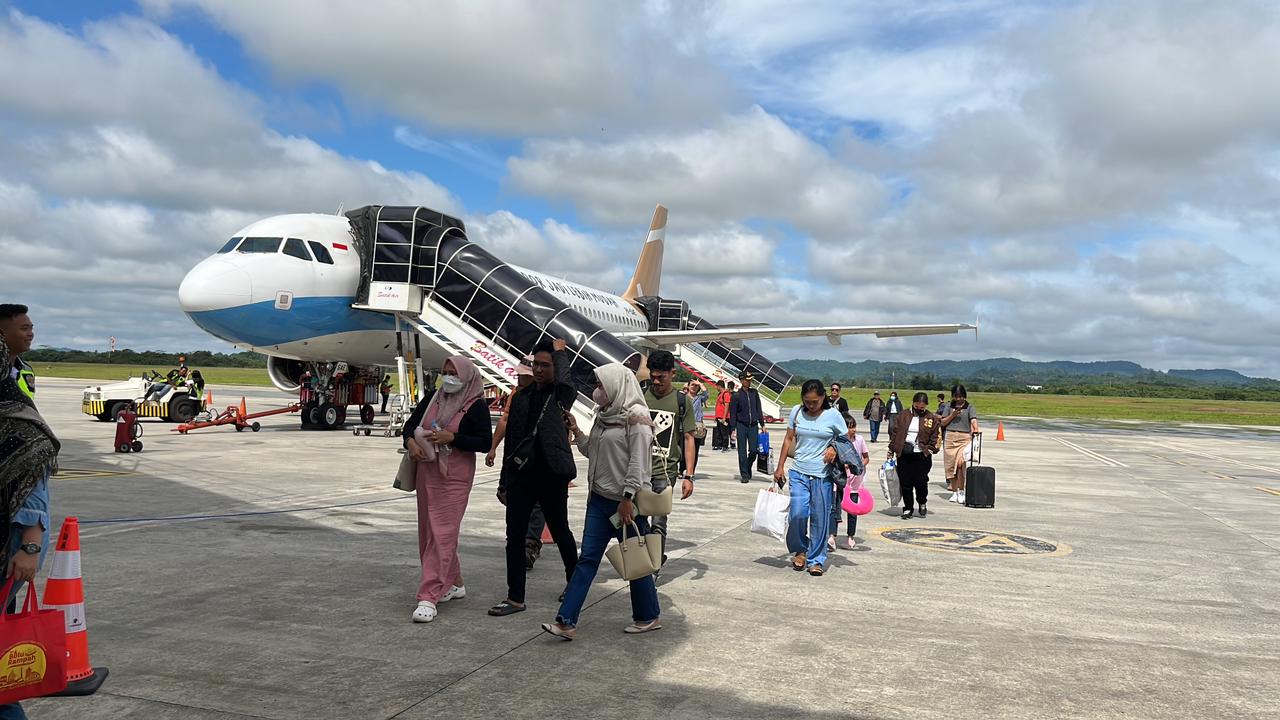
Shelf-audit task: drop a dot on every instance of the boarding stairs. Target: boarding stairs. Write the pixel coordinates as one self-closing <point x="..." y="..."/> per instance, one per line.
<point x="418" y="265"/>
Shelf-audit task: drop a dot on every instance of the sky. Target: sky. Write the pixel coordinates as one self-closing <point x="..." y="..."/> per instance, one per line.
<point x="1089" y="180"/>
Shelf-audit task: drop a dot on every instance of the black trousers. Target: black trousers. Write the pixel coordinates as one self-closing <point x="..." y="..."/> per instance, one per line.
<point x="553" y="495"/>
<point x="913" y="474"/>
<point x="720" y="435"/>
<point x="385" y="398"/>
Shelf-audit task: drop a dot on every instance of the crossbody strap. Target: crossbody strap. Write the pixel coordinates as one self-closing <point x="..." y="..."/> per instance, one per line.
<point x="538" y="423"/>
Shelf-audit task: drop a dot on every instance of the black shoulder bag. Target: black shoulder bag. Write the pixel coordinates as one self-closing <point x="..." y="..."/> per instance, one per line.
<point x="523" y="452"/>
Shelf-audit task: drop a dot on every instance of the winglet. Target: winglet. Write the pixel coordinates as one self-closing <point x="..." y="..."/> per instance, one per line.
<point x="648" y="274"/>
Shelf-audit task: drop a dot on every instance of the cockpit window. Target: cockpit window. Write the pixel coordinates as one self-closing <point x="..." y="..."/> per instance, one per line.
<point x="231" y="245"/>
<point x="259" y="245"/>
<point x="322" y="252"/>
<point x="294" y="248"/>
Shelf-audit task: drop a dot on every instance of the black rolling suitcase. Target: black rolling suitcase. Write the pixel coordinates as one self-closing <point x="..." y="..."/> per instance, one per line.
<point x="979" y="480"/>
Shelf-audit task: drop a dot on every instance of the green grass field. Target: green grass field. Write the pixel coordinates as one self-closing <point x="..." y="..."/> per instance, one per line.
<point x="115" y="373"/>
<point x="1224" y="412"/>
<point x="1220" y="412"/>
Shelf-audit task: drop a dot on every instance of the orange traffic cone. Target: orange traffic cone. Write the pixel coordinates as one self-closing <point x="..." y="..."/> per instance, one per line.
<point x="546" y="536"/>
<point x="243" y="410"/>
<point x="208" y="399"/>
<point x="1000" y="431"/>
<point x="64" y="591"/>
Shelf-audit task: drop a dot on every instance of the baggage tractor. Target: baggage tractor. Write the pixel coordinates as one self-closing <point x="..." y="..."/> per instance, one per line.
<point x="979" y="479"/>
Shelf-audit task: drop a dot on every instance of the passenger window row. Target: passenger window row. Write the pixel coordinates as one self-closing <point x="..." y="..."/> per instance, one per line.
<point x="293" y="247"/>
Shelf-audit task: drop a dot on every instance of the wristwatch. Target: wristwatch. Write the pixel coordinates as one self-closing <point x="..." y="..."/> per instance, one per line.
<point x="30" y="548"/>
<point x="628" y="495"/>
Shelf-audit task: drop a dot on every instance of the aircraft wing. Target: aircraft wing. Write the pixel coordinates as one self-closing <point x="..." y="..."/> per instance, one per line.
<point x="731" y="336"/>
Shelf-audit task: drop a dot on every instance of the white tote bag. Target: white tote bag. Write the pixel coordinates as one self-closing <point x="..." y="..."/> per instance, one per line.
<point x="772" y="511"/>
<point x="889" y="483"/>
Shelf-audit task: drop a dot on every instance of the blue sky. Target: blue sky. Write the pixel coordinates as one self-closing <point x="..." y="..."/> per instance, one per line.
<point x="1095" y="180"/>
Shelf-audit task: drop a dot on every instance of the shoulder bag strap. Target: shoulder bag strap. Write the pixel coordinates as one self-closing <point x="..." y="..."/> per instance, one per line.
<point x="538" y="423"/>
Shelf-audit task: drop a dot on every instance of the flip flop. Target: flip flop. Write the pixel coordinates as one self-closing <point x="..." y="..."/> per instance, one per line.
<point x="505" y="608"/>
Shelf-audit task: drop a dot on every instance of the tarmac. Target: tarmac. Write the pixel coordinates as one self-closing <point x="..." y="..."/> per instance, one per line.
<point x="1126" y="571"/>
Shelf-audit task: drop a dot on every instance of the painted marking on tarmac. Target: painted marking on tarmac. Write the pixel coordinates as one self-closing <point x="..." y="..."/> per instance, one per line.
<point x="1270" y="491"/>
<point x="66" y="473"/>
<point x="1220" y="476"/>
<point x="1090" y="454"/>
<point x="1232" y="461"/>
<point x="973" y="542"/>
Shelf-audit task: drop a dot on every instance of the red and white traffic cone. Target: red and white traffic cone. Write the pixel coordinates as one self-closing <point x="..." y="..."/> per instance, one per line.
<point x="64" y="591"/>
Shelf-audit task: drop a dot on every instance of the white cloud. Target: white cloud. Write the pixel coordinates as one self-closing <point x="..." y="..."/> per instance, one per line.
<point x="745" y="166"/>
<point x="517" y="241"/>
<point x="500" y="67"/>
<point x="138" y="117"/>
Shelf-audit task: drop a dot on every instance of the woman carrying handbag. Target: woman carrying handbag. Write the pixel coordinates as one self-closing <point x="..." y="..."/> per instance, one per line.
<point x="443" y="435"/>
<point x="618" y="451"/>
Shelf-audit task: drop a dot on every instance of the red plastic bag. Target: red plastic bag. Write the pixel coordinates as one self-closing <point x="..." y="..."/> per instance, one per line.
<point x="34" y="645"/>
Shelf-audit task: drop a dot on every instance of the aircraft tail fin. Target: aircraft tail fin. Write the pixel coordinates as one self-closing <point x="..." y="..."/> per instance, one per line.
<point x="648" y="275"/>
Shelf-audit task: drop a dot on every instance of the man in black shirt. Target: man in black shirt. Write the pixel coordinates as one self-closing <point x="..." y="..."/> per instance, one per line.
<point x="836" y="401"/>
<point x="747" y="418"/>
<point x="536" y="430"/>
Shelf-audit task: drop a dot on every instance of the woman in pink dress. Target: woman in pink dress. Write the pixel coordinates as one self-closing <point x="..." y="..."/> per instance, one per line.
<point x="443" y="435"/>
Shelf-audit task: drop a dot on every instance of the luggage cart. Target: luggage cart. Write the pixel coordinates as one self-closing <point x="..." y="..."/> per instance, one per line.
<point x="399" y="413"/>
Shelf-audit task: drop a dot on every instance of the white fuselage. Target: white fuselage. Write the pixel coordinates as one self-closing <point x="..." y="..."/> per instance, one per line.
<point x="294" y="299"/>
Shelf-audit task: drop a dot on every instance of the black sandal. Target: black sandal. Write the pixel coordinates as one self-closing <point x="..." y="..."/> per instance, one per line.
<point x="505" y="608"/>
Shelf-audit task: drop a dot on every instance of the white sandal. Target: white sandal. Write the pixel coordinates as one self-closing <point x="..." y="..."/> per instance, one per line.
<point x="425" y="612"/>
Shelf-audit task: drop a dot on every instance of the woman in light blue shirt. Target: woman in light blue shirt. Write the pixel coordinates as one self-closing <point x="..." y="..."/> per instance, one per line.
<point x="810" y="431"/>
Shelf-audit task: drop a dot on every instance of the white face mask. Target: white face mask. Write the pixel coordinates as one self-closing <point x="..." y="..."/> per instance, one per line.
<point x="450" y="384"/>
<point x="599" y="397"/>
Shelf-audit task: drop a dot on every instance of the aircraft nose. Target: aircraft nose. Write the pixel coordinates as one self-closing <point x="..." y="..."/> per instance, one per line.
<point x="214" y="284"/>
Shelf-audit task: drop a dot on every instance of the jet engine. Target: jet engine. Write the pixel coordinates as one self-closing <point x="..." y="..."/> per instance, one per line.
<point x="285" y="374"/>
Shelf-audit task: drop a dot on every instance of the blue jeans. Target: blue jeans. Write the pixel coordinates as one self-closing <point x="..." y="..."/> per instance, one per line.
<point x="875" y="429"/>
<point x="748" y="448"/>
<point x="12" y="712"/>
<point x="596" y="534"/>
<point x="810" y="517"/>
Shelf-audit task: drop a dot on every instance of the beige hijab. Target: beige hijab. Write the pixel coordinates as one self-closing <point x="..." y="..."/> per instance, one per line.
<point x="626" y="404"/>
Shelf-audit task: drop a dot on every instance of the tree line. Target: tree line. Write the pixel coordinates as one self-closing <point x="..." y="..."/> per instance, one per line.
<point x="150" y="358"/>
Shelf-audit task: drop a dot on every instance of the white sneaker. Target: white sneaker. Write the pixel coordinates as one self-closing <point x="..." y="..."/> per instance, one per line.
<point x="961" y="498"/>
<point x="425" y="612"/>
<point x="456" y="592"/>
<point x="954" y="497"/>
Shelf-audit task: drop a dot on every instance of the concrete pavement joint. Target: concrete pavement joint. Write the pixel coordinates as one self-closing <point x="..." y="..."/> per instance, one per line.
<point x="183" y="705"/>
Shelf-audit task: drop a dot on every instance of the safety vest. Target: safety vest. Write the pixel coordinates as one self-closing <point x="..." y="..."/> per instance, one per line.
<point x="26" y="378"/>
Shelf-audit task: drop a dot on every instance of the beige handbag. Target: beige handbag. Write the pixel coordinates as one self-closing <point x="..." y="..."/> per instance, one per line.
<point x="406" y="475"/>
<point x="653" y="504"/>
<point x="638" y="556"/>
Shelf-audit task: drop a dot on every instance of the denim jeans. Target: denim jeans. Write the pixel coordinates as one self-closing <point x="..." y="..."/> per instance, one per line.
<point x="810" y="517"/>
<point x="875" y="429"/>
<point x="12" y="712"/>
<point x="748" y="448"/>
<point x="597" y="532"/>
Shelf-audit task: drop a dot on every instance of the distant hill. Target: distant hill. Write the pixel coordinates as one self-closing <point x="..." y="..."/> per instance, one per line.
<point x="1112" y="377"/>
<point x="1217" y="377"/>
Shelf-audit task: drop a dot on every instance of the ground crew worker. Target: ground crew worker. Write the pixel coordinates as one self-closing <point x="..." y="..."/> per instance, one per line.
<point x="19" y="333"/>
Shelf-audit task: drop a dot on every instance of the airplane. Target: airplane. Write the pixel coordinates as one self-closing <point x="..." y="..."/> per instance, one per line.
<point x="309" y="291"/>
